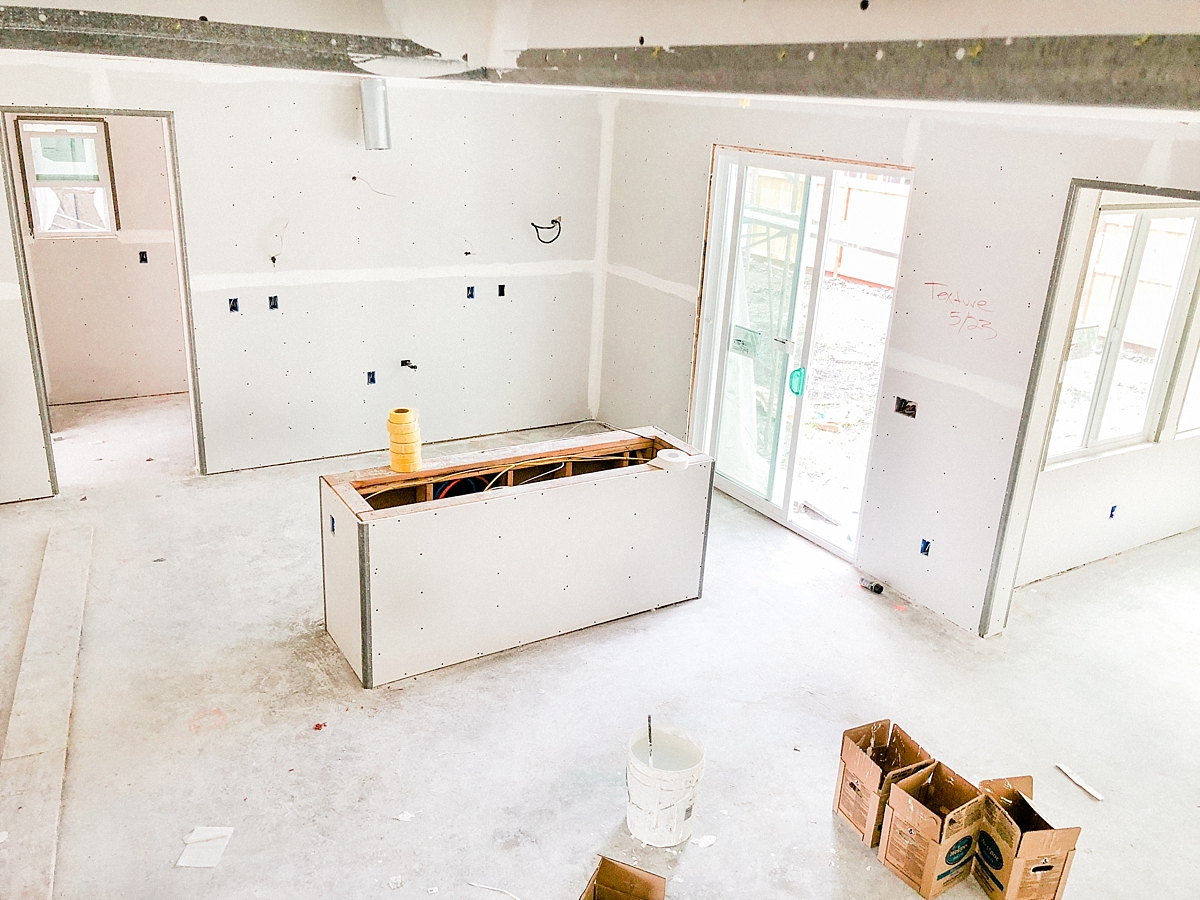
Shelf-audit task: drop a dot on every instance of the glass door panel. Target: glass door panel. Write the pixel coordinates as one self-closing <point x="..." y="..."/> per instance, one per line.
<point x="773" y="226"/>
<point x="845" y="358"/>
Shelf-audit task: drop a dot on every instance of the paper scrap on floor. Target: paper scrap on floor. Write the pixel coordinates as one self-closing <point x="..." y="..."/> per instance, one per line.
<point x="204" y="847"/>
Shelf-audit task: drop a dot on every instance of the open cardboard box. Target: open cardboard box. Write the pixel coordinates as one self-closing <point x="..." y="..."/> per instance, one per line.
<point x="873" y="757"/>
<point x="1020" y="855"/>
<point x="616" y="881"/>
<point x="929" y="829"/>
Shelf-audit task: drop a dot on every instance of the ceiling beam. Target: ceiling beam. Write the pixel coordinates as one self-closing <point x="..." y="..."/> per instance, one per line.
<point x="1100" y="70"/>
<point x="161" y="37"/>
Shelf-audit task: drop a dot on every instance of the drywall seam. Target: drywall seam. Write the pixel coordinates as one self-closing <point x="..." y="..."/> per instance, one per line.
<point x="608" y="118"/>
<point x="998" y="392"/>
<point x="686" y="292"/>
<point x="145" y="236"/>
<point x="305" y="277"/>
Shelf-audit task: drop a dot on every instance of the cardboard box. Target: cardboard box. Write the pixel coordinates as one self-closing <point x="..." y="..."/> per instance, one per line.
<point x="873" y="757"/>
<point x="1020" y="856"/>
<point x="929" y="829"/>
<point x="616" y="881"/>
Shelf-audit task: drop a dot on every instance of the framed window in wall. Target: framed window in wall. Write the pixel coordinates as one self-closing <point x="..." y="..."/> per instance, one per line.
<point x="69" y="190"/>
<point x="1135" y="301"/>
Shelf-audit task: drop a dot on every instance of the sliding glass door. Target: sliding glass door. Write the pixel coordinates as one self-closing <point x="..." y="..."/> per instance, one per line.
<point x="801" y="265"/>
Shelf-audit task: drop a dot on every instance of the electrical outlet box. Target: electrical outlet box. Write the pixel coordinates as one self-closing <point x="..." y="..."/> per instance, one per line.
<point x="925" y="547"/>
<point x="470" y="292"/>
<point x="370" y="378"/>
<point x="273" y="302"/>
<point x="143" y="256"/>
<point x="233" y="304"/>
<point x="906" y="407"/>
<point x="500" y="291"/>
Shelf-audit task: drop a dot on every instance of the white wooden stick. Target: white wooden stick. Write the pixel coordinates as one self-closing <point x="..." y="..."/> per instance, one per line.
<point x="1079" y="781"/>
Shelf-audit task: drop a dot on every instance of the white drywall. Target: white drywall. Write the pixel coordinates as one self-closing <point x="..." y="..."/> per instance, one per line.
<point x="1155" y="488"/>
<point x="110" y="326"/>
<point x="1064" y="516"/>
<point x="25" y="472"/>
<point x="990" y="185"/>
<point x="373" y="249"/>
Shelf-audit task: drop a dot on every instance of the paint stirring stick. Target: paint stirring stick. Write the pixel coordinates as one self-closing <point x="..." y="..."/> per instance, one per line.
<point x="650" y="741"/>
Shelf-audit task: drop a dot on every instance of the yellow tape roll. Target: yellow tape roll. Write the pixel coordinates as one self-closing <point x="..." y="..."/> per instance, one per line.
<point x="406" y="449"/>
<point x="402" y="416"/>
<point x="406" y="463"/>
<point x="410" y="431"/>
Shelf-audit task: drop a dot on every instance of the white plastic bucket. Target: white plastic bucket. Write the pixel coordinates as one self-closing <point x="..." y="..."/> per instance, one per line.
<point x="663" y="796"/>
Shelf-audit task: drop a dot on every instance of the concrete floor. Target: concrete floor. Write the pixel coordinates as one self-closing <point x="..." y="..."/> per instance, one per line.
<point x="204" y="668"/>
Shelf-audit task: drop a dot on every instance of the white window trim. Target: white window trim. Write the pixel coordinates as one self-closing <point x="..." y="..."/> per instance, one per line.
<point x="1165" y="403"/>
<point x="107" y="176"/>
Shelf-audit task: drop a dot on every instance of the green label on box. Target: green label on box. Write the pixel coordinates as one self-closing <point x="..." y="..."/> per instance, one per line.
<point x="958" y="852"/>
<point x="989" y="851"/>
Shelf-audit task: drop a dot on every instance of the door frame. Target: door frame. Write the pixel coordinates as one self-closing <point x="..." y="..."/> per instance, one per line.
<point x="712" y="327"/>
<point x="1032" y="445"/>
<point x="14" y="188"/>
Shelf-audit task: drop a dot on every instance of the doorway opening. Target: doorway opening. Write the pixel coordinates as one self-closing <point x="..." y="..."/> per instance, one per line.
<point x="801" y="261"/>
<point x="101" y="248"/>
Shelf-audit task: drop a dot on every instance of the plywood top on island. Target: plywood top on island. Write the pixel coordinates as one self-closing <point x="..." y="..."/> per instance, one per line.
<point x="380" y="493"/>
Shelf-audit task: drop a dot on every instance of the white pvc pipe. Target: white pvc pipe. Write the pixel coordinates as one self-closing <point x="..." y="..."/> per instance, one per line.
<point x="377" y="134"/>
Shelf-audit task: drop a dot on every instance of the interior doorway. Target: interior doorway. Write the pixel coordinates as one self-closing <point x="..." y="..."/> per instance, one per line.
<point x="801" y="257"/>
<point x="101" y="248"/>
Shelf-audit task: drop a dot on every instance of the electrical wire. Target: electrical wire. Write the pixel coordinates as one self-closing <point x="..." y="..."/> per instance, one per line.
<point x="544" y="474"/>
<point x="555" y="226"/>
<point x="368" y="184"/>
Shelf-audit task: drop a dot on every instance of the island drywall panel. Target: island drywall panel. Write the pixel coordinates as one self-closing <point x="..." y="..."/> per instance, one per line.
<point x="110" y="326"/>
<point x="990" y="185"/>
<point x="281" y="200"/>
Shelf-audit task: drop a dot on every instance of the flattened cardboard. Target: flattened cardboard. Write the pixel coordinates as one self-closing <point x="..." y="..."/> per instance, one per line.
<point x="930" y="826"/>
<point x="1020" y="855"/>
<point x="873" y="757"/>
<point x="616" y="881"/>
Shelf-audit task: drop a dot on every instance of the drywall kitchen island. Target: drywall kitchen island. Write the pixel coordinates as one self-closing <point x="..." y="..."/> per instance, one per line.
<point x="553" y="537"/>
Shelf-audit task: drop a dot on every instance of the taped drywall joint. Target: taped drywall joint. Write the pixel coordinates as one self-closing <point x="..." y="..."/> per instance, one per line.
<point x="685" y="292"/>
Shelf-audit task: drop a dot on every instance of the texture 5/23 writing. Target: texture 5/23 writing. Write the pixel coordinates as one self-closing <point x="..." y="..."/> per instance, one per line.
<point x="964" y="315"/>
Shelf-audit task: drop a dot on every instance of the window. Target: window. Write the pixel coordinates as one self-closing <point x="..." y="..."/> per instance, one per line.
<point x="68" y="177"/>
<point x="1138" y="283"/>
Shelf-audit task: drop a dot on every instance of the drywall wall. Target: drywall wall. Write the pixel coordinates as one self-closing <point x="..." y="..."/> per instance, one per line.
<point x="990" y="184"/>
<point x="1155" y="489"/>
<point x="110" y="326"/>
<point x="1081" y="510"/>
<point x="26" y="472"/>
<point x="369" y="253"/>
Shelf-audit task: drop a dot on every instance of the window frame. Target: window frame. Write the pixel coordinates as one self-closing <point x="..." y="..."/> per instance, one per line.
<point x="107" y="173"/>
<point x="1164" y="403"/>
